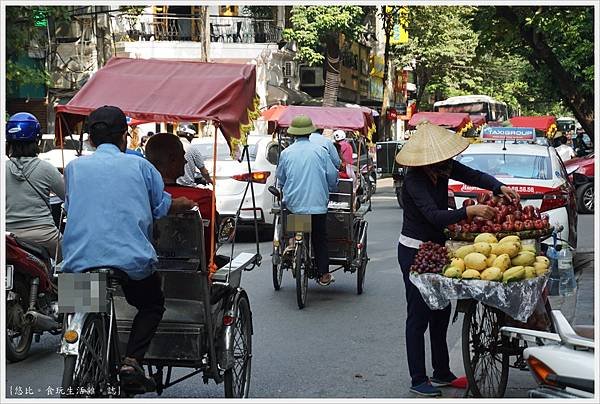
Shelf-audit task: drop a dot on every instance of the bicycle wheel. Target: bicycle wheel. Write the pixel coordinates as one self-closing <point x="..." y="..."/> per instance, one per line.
<point x="301" y="274"/>
<point x="362" y="269"/>
<point x="237" y="379"/>
<point x="484" y="359"/>
<point x="277" y="251"/>
<point x="18" y="333"/>
<point x="88" y="374"/>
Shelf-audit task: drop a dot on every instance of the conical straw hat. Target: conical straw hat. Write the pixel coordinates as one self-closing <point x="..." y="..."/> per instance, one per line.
<point x="429" y="145"/>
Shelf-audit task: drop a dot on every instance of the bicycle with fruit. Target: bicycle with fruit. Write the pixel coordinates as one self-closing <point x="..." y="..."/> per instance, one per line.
<point x="484" y="258"/>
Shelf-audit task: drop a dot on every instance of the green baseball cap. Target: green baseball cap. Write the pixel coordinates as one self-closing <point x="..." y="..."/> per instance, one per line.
<point x="301" y="125"/>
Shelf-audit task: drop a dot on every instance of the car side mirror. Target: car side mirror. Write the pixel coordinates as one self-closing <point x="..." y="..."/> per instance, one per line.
<point x="226" y="232"/>
<point x="571" y="169"/>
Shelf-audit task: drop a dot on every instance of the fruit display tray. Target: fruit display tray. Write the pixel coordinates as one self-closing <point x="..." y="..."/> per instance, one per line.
<point x="523" y="235"/>
<point x="518" y="299"/>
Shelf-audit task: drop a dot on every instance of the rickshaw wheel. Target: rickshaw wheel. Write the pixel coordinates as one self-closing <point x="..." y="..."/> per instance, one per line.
<point x="277" y="276"/>
<point x="301" y="274"/>
<point x="484" y="358"/>
<point x="277" y="268"/>
<point x="82" y="374"/>
<point x="362" y="269"/>
<point x="237" y="378"/>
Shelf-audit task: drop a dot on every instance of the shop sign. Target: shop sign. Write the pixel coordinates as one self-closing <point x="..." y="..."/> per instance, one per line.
<point x="377" y="66"/>
<point x="376" y="89"/>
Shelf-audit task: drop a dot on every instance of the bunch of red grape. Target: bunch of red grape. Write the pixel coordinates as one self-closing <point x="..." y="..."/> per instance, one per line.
<point x="431" y="258"/>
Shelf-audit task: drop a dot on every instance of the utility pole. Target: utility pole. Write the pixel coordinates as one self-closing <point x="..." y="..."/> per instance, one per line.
<point x="388" y="17"/>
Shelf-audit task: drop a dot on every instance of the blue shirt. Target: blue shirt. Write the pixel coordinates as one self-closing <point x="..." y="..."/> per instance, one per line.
<point x="111" y="201"/>
<point x="307" y="175"/>
<point x="322" y="141"/>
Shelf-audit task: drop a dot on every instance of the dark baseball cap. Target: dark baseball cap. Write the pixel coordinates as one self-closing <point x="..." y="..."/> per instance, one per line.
<point x="107" y="120"/>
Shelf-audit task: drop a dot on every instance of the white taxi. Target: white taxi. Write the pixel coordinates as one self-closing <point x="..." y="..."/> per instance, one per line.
<point x="535" y="171"/>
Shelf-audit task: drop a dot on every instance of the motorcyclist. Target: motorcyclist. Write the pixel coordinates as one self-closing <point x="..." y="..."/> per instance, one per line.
<point x="29" y="182"/>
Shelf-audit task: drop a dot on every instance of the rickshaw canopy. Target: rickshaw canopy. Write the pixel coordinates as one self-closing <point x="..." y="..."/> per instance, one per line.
<point x="153" y="90"/>
<point x="450" y="120"/>
<point x="542" y="123"/>
<point x="344" y="118"/>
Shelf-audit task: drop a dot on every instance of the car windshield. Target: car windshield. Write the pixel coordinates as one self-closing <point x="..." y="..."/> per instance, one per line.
<point x="223" y="153"/>
<point x="510" y="165"/>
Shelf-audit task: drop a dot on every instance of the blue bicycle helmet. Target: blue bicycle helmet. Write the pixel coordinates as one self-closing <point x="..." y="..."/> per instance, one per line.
<point x="23" y="127"/>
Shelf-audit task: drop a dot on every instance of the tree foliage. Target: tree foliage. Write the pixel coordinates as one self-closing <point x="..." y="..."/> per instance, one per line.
<point x="491" y="50"/>
<point x="312" y="26"/>
<point x="26" y="30"/>
<point x="557" y="41"/>
<point x="441" y="45"/>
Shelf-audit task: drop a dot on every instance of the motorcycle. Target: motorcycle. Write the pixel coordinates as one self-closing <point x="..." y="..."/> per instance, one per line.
<point x="563" y="362"/>
<point x="31" y="297"/>
<point x="398" y="178"/>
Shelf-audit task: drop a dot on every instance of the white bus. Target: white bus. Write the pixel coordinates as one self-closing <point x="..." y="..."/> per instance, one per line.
<point x="474" y="105"/>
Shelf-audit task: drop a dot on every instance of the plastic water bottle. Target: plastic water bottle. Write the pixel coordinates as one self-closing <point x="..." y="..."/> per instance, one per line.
<point x="554" y="279"/>
<point x="567" y="284"/>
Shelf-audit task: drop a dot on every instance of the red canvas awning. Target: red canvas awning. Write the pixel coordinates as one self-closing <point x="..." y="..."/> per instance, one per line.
<point x="450" y="120"/>
<point x="477" y="120"/>
<point x="542" y="123"/>
<point x="329" y="117"/>
<point x="273" y="113"/>
<point x="153" y="90"/>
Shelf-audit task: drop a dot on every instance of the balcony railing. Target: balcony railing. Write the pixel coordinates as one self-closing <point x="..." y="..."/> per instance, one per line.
<point x="244" y="29"/>
<point x="222" y="29"/>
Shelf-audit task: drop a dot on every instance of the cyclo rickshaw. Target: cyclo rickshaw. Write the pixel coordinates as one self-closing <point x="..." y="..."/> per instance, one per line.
<point x="207" y="325"/>
<point x="346" y="224"/>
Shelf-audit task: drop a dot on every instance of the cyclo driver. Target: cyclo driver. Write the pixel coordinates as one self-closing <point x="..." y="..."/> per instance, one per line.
<point x="307" y="175"/>
<point x="111" y="201"/>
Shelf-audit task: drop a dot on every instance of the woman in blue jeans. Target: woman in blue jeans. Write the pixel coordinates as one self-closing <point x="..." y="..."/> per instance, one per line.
<point x="428" y="155"/>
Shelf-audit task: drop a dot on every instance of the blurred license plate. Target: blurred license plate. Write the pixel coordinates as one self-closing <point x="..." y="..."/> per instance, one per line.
<point x="9" y="277"/>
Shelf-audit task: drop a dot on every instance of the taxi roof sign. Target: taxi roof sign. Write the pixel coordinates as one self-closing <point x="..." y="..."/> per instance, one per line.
<point x="508" y="133"/>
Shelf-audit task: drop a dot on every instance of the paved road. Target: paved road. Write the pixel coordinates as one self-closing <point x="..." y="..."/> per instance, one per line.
<point x="340" y="345"/>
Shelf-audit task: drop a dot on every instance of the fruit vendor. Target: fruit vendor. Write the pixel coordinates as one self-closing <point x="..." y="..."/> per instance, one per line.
<point x="428" y="156"/>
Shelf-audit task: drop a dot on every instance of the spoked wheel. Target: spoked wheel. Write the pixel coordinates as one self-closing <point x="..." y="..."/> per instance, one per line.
<point x="18" y="333"/>
<point x="301" y="263"/>
<point x="237" y="378"/>
<point x="485" y="360"/>
<point x="87" y="374"/>
<point x="277" y="252"/>
<point x="362" y="269"/>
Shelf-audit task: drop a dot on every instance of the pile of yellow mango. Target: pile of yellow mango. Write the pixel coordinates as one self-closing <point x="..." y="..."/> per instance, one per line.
<point x="488" y="259"/>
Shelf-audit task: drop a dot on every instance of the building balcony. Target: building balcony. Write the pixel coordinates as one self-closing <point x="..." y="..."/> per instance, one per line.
<point x="241" y="29"/>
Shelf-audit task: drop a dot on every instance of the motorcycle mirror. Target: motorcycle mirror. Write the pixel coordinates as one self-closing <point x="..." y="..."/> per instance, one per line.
<point x="274" y="191"/>
<point x="226" y="232"/>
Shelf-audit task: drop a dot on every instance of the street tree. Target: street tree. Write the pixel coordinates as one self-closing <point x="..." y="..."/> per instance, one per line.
<point x="27" y="32"/>
<point x="557" y="41"/>
<point x="389" y="17"/>
<point x="316" y="30"/>
<point x="440" y="45"/>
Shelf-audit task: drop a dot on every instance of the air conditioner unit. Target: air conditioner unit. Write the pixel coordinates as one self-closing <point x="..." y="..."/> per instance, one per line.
<point x="289" y="69"/>
<point x="311" y="76"/>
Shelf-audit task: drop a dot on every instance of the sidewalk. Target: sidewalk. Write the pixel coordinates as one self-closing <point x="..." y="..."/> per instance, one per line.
<point x="578" y="309"/>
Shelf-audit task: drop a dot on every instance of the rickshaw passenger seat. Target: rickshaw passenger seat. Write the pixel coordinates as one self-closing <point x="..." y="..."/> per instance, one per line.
<point x="179" y="243"/>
